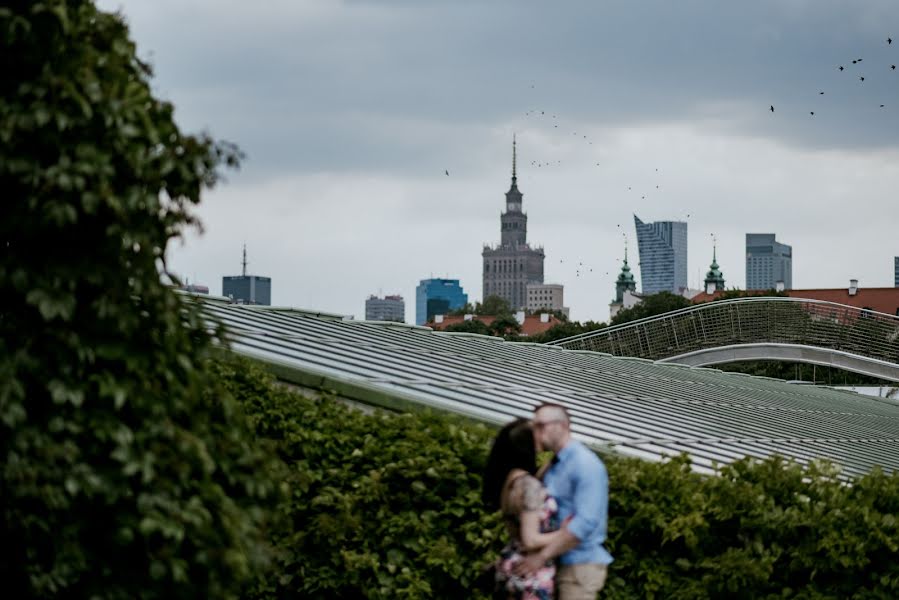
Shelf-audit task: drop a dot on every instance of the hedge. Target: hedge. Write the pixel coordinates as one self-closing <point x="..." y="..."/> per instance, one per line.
<point x="386" y="505"/>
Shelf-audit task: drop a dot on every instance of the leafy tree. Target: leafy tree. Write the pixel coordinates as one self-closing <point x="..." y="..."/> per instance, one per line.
<point x="494" y="305"/>
<point x="471" y="326"/>
<point x="126" y="470"/>
<point x="652" y="305"/>
<point x="505" y="325"/>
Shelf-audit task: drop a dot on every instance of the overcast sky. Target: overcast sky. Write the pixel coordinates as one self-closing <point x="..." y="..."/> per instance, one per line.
<point x="350" y="112"/>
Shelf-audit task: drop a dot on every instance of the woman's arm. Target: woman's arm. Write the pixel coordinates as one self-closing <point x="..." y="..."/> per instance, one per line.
<point x="530" y="535"/>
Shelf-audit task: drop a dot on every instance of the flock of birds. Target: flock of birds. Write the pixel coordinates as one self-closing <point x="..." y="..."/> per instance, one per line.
<point x="861" y="77"/>
<point x="584" y="269"/>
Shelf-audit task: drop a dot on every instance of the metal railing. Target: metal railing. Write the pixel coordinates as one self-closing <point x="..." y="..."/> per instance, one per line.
<point x="742" y="321"/>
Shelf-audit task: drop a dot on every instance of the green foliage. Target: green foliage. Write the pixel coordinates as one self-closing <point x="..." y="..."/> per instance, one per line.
<point x="491" y="306"/>
<point x="650" y="306"/>
<point x="802" y="372"/>
<point x="759" y="530"/>
<point x="381" y="506"/>
<point x="564" y="330"/>
<point x="386" y="505"/>
<point x="126" y="471"/>
<point x="494" y="305"/>
<point x="470" y="326"/>
<point x="505" y="325"/>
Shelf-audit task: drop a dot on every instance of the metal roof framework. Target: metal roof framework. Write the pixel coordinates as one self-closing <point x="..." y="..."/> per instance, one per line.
<point x="632" y="406"/>
<point x="757" y="328"/>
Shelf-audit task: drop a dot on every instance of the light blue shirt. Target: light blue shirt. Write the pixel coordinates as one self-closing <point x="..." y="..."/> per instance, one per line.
<point x="580" y="484"/>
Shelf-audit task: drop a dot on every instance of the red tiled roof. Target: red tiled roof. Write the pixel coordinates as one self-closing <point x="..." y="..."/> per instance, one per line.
<point x="532" y="323"/>
<point x="884" y="300"/>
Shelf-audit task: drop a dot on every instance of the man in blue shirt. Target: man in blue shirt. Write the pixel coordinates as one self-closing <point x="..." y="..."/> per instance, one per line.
<point x="578" y="480"/>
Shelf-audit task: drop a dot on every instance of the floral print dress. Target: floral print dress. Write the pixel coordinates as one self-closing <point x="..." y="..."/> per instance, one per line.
<point x="526" y="493"/>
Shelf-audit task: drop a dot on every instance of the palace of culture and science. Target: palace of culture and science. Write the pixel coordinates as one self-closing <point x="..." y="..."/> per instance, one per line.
<point x="513" y="264"/>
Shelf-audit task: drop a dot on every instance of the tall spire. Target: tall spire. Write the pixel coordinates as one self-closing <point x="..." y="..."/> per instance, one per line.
<point x="514" y="176"/>
<point x="244" y="262"/>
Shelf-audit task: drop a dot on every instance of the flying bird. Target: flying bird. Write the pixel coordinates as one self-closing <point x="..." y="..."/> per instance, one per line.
<point x="820" y="93"/>
<point x="447" y="172"/>
<point x="772" y="108"/>
<point x="893" y="67"/>
<point x="841" y="67"/>
<point x="862" y="78"/>
<point x="889" y="40"/>
<point x="812" y="113"/>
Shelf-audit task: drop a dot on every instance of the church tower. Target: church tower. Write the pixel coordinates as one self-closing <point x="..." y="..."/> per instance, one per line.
<point x="624" y="284"/>
<point x="513" y="264"/>
<point x="714" y="279"/>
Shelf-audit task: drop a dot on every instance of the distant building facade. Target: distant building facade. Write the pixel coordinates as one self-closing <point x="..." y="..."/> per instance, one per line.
<point x="388" y="308"/>
<point x="247" y="289"/>
<point x="663" y="255"/>
<point x="546" y="296"/>
<point x="896" y="271"/>
<point x="513" y="264"/>
<point x="437" y="297"/>
<point x="767" y="262"/>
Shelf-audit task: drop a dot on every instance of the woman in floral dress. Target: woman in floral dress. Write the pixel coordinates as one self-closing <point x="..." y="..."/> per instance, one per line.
<point x="528" y="511"/>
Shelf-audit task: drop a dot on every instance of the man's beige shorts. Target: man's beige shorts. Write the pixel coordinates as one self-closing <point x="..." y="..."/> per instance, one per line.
<point x="580" y="582"/>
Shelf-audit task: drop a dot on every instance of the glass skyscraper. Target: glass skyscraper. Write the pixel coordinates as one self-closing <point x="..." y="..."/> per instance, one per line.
<point x="663" y="255"/>
<point x="767" y="262"/>
<point x="248" y="289"/>
<point x="896" y="269"/>
<point x="437" y="297"/>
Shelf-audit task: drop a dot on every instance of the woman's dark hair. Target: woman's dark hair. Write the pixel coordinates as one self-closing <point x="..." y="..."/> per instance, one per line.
<point x="513" y="448"/>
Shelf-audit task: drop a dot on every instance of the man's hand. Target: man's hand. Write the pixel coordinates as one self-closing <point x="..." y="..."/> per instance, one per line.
<point x="529" y="564"/>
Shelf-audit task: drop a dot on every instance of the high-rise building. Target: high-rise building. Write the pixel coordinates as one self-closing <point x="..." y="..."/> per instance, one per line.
<point x="247" y="289"/>
<point x="388" y="308"/>
<point x="437" y="297"/>
<point x="513" y="264"/>
<point x="767" y="262"/>
<point x="663" y="255"/>
<point x="896" y="271"/>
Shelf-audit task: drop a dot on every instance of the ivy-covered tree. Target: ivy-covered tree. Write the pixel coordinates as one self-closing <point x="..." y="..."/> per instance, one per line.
<point x="126" y="469"/>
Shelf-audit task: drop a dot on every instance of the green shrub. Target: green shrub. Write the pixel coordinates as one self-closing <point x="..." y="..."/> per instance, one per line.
<point x="380" y="506"/>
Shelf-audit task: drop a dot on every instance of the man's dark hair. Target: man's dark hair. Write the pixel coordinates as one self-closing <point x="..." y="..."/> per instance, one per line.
<point x="513" y="448"/>
<point x="554" y="405"/>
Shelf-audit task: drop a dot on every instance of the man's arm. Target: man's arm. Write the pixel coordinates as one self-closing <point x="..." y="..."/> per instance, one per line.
<point x="562" y="542"/>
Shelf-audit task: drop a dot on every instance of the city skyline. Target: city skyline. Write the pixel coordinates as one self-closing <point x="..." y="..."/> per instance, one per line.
<point x="368" y="159"/>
